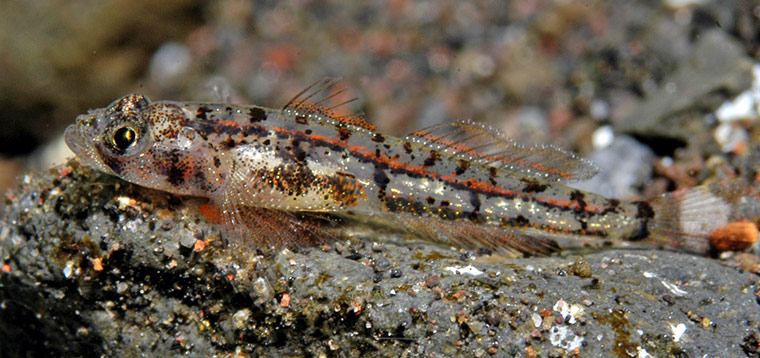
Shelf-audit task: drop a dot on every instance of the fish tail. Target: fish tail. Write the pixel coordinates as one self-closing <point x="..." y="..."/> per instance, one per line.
<point x="706" y="219"/>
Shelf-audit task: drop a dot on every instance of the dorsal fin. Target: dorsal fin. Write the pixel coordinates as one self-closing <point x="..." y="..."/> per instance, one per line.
<point x="325" y="97"/>
<point x="483" y="145"/>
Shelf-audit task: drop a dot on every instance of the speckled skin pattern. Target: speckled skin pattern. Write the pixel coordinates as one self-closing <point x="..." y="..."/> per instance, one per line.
<point x="461" y="183"/>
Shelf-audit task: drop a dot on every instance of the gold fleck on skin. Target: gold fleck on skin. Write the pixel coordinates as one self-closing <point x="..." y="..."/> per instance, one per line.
<point x="271" y="172"/>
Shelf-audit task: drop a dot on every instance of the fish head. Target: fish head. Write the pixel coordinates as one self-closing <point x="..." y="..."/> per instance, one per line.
<point x="114" y="138"/>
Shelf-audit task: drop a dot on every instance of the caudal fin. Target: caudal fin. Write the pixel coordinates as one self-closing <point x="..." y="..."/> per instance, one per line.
<point x="707" y="219"/>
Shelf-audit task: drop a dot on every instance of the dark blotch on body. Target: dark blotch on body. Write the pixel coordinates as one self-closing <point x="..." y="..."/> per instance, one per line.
<point x="408" y="147"/>
<point x="432" y="159"/>
<point x="521" y="221"/>
<point x="395" y="204"/>
<point x="298" y="153"/>
<point x="462" y="167"/>
<point x="175" y="174"/>
<point x="475" y="201"/>
<point x="344" y="133"/>
<point x="378" y="138"/>
<point x="532" y="186"/>
<point x="256" y="115"/>
<point x="202" y="112"/>
<point x="578" y="197"/>
<point x="228" y="144"/>
<point x="200" y="180"/>
<point x="475" y="213"/>
<point x="645" y="210"/>
<point x="381" y="180"/>
<point x="646" y="213"/>
<point x="612" y="206"/>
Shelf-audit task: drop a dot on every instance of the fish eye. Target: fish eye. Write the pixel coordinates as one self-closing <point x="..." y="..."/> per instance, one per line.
<point x="123" y="138"/>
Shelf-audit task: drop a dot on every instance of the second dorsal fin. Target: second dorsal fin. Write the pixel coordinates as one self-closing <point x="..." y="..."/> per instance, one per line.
<point x="485" y="146"/>
<point x="325" y="97"/>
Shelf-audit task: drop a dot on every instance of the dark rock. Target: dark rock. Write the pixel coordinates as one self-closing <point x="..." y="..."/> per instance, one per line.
<point x="82" y="280"/>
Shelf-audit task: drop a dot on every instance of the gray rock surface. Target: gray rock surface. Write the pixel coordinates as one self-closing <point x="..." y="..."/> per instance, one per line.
<point x="96" y="267"/>
<point x="717" y="64"/>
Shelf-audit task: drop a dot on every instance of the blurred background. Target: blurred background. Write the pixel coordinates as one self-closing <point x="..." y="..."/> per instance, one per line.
<point x="660" y="94"/>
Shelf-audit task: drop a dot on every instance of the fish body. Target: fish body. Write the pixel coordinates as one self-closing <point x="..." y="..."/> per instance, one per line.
<point x="461" y="183"/>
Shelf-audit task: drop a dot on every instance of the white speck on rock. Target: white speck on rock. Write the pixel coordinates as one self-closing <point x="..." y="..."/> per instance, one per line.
<point x="563" y="336"/>
<point x="642" y="353"/>
<point x="730" y="136"/>
<point x="674" y="289"/>
<point x="570" y="313"/>
<point x="537" y="320"/>
<point x="469" y="270"/>
<point x="746" y="105"/>
<point x="678" y="331"/>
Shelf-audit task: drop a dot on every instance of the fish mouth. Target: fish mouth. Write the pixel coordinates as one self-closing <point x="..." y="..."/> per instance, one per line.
<point x="82" y="143"/>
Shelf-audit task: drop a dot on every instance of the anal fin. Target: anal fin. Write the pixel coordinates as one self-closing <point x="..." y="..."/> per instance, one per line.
<point x="505" y="241"/>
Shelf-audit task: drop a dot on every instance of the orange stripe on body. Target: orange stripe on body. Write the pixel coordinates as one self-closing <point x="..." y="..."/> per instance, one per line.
<point x="483" y="187"/>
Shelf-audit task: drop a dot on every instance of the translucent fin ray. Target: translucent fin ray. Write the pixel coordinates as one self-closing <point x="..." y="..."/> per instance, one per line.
<point x="319" y="96"/>
<point x="246" y="224"/>
<point x="707" y="219"/>
<point x="487" y="147"/>
<point x="505" y="241"/>
<point x="271" y="229"/>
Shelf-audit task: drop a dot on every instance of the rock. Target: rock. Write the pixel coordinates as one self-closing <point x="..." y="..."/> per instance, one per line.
<point x="717" y="64"/>
<point x="150" y="295"/>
